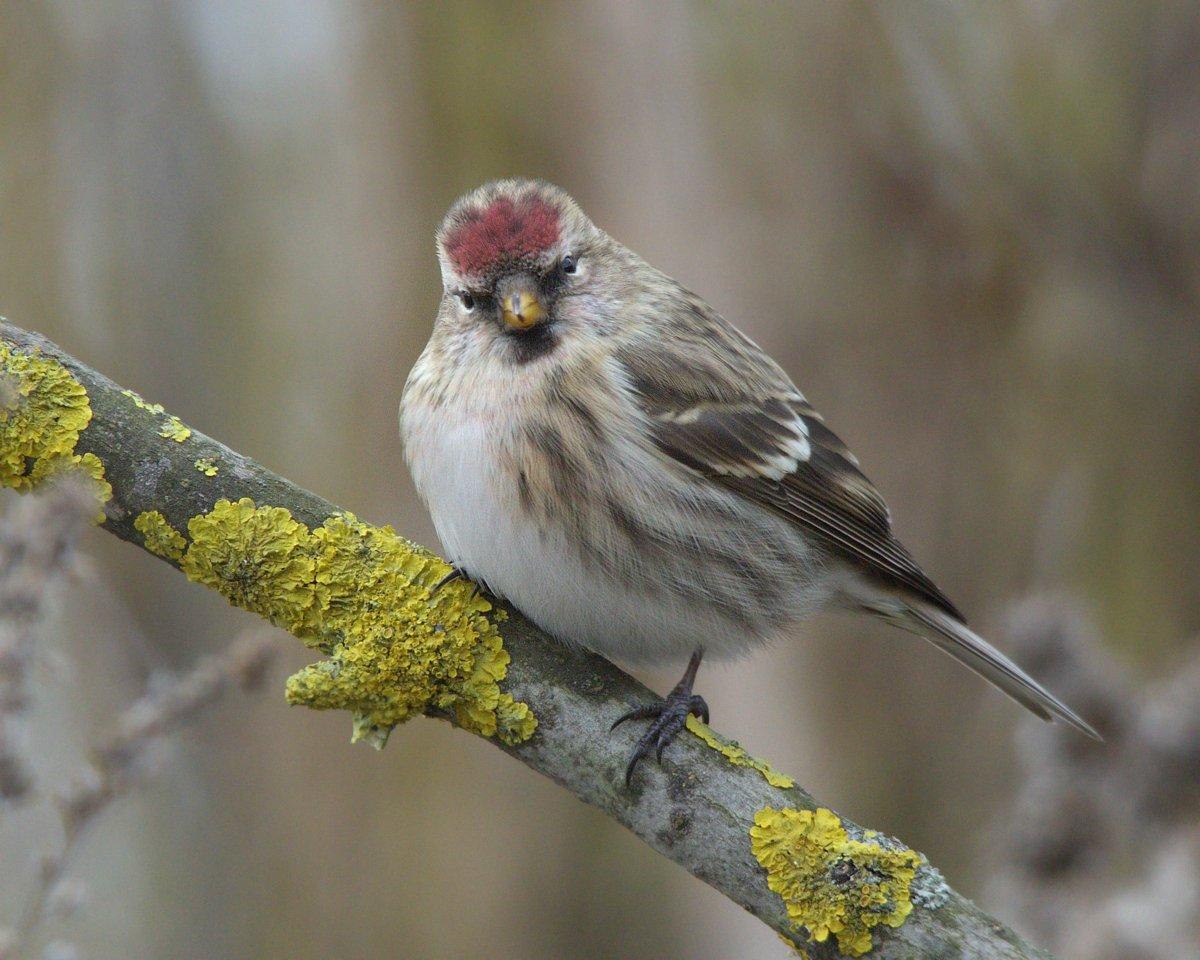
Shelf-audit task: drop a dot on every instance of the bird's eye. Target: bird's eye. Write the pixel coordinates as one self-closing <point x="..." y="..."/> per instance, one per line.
<point x="467" y="300"/>
<point x="568" y="264"/>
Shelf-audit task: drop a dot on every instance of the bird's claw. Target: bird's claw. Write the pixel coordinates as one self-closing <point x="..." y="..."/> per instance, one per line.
<point x="456" y="573"/>
<point x="668" y="717"/>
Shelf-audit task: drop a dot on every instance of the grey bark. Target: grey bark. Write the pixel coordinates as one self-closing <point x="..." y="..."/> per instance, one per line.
<point x="696" y="808"/>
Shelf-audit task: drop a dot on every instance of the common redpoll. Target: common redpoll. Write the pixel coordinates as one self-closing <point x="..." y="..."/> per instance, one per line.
<point x="597" y="445"/>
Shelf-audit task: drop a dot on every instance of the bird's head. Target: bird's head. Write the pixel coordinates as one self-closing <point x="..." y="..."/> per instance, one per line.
<point x="521" y="264"/>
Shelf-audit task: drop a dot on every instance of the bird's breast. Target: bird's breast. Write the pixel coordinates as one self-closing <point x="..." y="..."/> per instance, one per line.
<point x="555" y="501"/>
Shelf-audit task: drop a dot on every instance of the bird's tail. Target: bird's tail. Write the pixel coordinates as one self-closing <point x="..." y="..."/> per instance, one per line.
<point x="954" y="637"/>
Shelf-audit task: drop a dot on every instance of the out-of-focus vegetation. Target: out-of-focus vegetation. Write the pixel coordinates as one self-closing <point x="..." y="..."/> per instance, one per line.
<point x="969" y="231"/>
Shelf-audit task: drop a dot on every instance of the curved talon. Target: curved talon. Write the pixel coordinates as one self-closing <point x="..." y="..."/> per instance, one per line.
<point x="633" y="762"/>
<point x="668" y="716"/>
<point x="456" y="573"/>
<point x="638" y="713"/>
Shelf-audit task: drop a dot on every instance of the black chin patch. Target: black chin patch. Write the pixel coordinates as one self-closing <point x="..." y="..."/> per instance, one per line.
<point x="528" y="345"/>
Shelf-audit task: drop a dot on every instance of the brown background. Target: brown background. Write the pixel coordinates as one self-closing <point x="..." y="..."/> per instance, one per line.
<point x="969" y="232"/>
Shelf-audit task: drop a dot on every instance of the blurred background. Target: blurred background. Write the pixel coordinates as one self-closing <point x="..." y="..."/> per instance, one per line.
<point x="968" y="231"/>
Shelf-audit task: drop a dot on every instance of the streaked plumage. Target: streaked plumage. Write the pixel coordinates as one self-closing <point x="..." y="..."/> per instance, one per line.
<point x="631" y="471"/>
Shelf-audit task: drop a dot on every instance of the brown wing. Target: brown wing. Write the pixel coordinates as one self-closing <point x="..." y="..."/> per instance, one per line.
<point x="754" y="432"/>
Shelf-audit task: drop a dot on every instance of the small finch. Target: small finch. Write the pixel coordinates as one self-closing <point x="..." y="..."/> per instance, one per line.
<point x="600" y="447"/>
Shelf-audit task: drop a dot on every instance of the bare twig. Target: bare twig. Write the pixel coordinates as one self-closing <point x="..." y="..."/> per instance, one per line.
<point x="1100" y="854"/>
<point x="124" y="760"/>
<point x="37" y="538"/>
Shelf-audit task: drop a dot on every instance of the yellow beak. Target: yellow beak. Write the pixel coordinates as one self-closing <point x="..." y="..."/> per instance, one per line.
<point x="522" y="310"/>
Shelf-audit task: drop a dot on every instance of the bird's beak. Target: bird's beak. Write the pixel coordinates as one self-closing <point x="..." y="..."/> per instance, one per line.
<point x="522" y="310"/>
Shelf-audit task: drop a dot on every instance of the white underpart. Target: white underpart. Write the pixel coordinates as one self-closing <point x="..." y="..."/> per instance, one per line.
<point x="454" y="460"/>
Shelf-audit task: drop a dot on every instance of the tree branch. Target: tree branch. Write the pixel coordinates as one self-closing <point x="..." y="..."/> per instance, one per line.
<point x="398" y="646"/>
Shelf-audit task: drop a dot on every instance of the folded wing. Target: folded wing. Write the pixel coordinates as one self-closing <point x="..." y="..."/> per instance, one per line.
<point x="733" y="415"/>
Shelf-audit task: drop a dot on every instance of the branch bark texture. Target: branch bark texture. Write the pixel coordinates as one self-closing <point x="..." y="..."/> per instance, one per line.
<point x="395" y="646"/>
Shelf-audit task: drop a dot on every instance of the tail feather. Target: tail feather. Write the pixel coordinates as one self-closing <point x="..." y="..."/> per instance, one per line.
<point x="968" y="648"/>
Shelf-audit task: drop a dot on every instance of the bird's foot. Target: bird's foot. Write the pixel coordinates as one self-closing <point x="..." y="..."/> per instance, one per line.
<point x="668" y="717"/>
<point x="456" y="573"/>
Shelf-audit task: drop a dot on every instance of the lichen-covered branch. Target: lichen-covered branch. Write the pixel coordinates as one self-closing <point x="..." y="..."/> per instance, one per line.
<point x="395" y="647"/>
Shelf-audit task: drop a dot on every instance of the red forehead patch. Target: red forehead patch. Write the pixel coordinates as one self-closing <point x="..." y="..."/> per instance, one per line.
<point x="503" y="230"/>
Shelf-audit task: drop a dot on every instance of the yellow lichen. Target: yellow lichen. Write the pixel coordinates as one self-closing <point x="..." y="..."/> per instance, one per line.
<point x="43" y="409"/>
<point x="258" y="558"/>
<point x="43" y="412"/>
<point x="87" y="465"/>
<point x="736" y="755"/>
<point x="173" y="429"/>
<point x="152" y="408"/>
<point x="830" y="882"/>
<point x="207" y="466"/>
<point x="159" y="536"/>
<point x="363" y="595"/>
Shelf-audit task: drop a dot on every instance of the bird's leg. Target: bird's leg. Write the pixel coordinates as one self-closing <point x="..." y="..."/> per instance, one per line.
<point x="668" y="715"/>
<point x="456" y="573"/>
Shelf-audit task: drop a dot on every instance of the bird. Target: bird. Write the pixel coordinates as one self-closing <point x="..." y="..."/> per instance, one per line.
<point x="601" y="448"/>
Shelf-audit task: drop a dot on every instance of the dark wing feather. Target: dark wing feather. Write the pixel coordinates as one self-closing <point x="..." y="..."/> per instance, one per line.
<point x="756" y="434"/>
